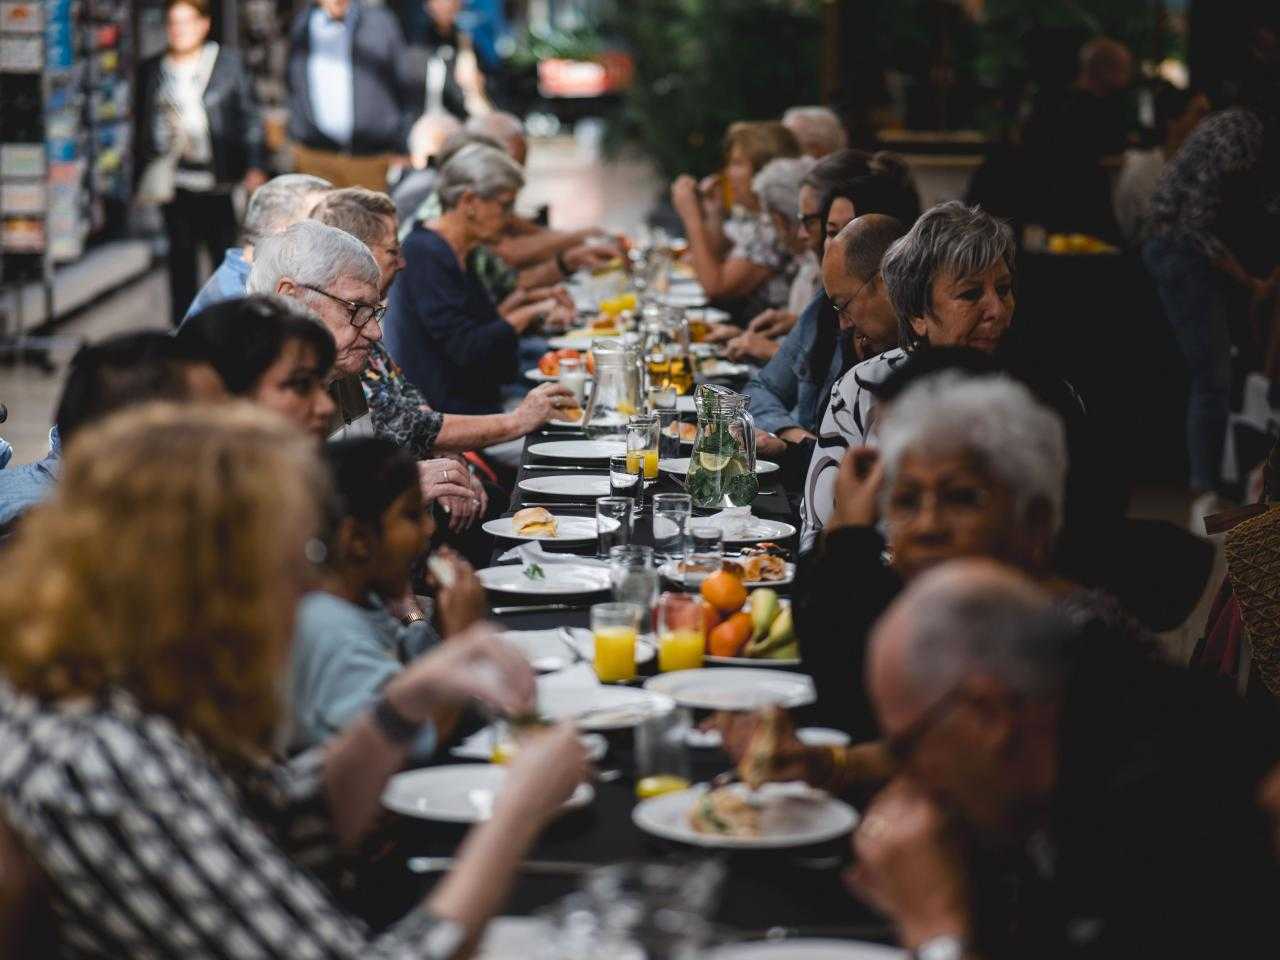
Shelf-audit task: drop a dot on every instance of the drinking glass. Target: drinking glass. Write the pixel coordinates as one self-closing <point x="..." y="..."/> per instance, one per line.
<point x="669" y="435"/>
<point x="614" y="627"/>
<point x="671" y="513"/>
<point x="573" y="377"/>
<point x="681" y="637"/>
<point x="624" y="482"/>
<point x="642" y="446"/>
<point x="662" y="757"/>
<point x="662" y="398"/>
<point x="706" y="552"/>
<point x="634" y="578"/>
<point x="613" y="522"/>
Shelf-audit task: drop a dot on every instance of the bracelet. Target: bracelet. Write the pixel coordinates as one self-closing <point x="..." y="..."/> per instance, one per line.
<point x="393" y="724"/>
<point x="561" y="265"/>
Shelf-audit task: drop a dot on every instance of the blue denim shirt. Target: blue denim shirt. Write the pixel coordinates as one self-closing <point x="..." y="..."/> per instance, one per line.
<point x="342" y="657"/>
<point x="229" y="281"/>
<point x="22" y="487"/>
<point x="784" y="392"/>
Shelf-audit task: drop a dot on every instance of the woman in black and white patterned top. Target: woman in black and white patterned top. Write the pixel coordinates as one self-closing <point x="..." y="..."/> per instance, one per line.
<point x="147" y="611"/>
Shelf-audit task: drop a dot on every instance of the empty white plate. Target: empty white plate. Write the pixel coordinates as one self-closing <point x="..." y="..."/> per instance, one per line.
<point x="801" y="948"/>
<point x="734" y="688"/>
<point x="554" y="578"/>
<point x="602" y="707"/>
<point x="546" y="650"/>
<point x="568" y="529"/>
<point x="579" y="449"/>
<point x="680" y="466"/>
<point x="792" y="815"/>
<point x="458" y="792"/>
<point x="579" y="485"/>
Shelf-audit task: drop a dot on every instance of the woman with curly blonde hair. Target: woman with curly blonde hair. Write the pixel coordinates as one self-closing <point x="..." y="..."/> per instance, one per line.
<point x="147" y="611"/>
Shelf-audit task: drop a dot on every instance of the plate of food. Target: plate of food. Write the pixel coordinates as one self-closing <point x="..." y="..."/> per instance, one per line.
<point x="561" y="485"/>
<point x="602" y="707"/>
<point x="734" y="688"/>
<point x="686" y="432"/>
<point x="758" y="571"/>
<point x="538" y="523"/>
<point x="548" y="368"/>
<point x="569" y="415"/>
<point x="579" y="449"/>
<point x="679" y="466"/>
<point x="773" y="817"/>
<point x="538" y="579"/>
<point x="458" y="792"/>
<point x="799" y="948"/>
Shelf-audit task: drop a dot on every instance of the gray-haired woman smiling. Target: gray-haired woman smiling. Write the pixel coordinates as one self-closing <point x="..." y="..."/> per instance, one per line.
<point x="442" y="328"/>
<point x="951" y="282"/>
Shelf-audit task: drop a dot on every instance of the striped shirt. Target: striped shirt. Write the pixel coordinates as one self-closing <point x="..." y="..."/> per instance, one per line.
<point x="153" y="851"/>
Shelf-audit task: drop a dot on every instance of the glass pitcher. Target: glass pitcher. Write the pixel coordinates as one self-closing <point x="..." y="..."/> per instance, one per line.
<point x="669" y="363"/>
<point x="722" y="466"/>
<point x="616" y="396"/>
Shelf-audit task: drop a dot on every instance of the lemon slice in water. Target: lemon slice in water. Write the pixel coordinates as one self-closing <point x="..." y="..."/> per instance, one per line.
<point x="713" y="461"/>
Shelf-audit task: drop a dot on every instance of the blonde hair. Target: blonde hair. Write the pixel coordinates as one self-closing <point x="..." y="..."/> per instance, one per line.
<point x="162" y="566"/>
<point x="761" y="141"/>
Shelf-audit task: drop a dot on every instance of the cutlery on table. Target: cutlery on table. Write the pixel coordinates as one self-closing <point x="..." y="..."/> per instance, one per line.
<point x="560" y="867"/>
<point x="540" y="608"/>
<point x="558" y="466"/>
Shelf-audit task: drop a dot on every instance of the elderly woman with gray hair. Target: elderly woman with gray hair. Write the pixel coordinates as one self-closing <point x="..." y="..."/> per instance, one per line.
<point x="950" y="280"/>
<point x="442" y="327"/>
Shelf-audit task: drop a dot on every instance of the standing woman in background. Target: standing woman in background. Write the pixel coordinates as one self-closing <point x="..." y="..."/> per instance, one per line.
<point x="198" y="119"/>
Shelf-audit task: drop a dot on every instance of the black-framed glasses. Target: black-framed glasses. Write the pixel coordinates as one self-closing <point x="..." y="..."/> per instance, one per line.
<point x="902" y="745"/>
<point x="842" y="308"/>
<point x="358" y="314"/>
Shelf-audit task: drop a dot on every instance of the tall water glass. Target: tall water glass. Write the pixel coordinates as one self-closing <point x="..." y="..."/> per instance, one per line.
<point x="634" y="579"/>
<point x="623" y="481"/>
<point x="613" y="522"/>
<point x="706" y="552"/>
<point x="669" y="435"/>
<point x="573" y="377"/>
<point x="671" y="513"/>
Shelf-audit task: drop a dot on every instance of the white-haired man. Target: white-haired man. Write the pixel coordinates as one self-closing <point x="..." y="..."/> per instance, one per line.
<point x="818" y="129"/>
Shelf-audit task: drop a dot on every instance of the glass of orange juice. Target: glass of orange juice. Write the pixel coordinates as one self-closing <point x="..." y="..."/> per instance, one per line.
<point x="681" y="638"/>
<point x="614" y="627"/>
<point x="662" y="755"/>
<point x="642" y="445"/>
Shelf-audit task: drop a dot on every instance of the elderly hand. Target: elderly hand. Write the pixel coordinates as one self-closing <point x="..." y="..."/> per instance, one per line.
<point x="721" y="332"/>
<point x="772" y="323"/>
<point x="857" y="493"/>
<point x="544" y="773"/>
<point x="751" y="346"/>
<point x="795" y="435"/>
<point x="738" y="730"/>
<point x="477" y="664"/>
<point x="463" y="602"/>
<point x="541" y="404"/>
<point x="588" y="256"/>
<point x="769" y="446"/>
<point x="911" y="866"/>
<point x="444" y="478"/>
<point x="685" y="197"/>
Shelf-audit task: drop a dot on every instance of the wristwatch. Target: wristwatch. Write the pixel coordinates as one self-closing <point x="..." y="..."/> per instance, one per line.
<point x="393" y="724"/>
<point x="940" y="948"/>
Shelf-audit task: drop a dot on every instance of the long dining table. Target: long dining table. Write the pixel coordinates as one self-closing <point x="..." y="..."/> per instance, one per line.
<point x="799" y="892"/>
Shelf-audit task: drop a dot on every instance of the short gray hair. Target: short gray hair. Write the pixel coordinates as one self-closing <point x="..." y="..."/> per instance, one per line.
<point x="1017" y="440"/>
<point x="311" y="254"/>
<point x="818" y="129"/>
<point x="478" y="169"/>
<point x="865" y="240"/>
<point x="947" y="239"/>
<point x="778" y="184"/>
<point x="497" y="125"/>
<point x="960" y="622"/>
<point x="279" y="203"/>
<point x="429" y="134"/>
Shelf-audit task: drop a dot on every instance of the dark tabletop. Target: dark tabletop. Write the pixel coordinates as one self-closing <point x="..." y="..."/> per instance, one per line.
<point x="793" y="888"/>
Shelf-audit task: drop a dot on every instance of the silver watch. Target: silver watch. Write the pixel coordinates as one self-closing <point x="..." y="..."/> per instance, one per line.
<point x="940" y="948"/>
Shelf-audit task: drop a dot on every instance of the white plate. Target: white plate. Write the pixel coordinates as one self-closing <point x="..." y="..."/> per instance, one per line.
<point x="823" y="737"/>
<point x="723" y="368"/>
<point x="510" y="938"/>
<point x="585" y="641"/>
<point x="579" y="340"/>
<point x="479" y="746"/>
<point x="544" y="649"/>
<point x="685" y="295"/>
<point x="709" y="314"/>
<point x="568" y="530"/>
<point x="563" y="579"/>
<point x="668" y="570"/>
<point x="794" y="816"/>
<point x="537" y="376"/>
<point x="575" y="485"/>
<point x="611" y="708"/>
<point x="576" y="424"/>
<point x="799" y="948"/>
<point x="680" y="466"/>
<point x="579" y="449"/>
<point x="457" y="792"/>
<point x="734" y="688"/>
<point x="685" y="405"/>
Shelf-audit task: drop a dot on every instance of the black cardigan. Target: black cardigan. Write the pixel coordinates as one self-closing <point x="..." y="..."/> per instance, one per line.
<point x="235" y="122"/>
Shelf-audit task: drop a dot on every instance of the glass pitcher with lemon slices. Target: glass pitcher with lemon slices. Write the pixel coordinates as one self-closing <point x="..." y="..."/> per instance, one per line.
<point x="722" y="465"/>
<point x="616" y="395"/>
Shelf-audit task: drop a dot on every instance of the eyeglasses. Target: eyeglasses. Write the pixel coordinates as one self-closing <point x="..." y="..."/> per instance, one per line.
<point x="902" y="745"/>
<point x="358" y="314"/>
<point x="808" y="220"/>
<point x="841" y="309"/>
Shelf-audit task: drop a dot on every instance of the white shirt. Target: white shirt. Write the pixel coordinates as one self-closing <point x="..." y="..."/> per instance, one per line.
<point x="1134" y="189"/>
<point x="184" y="84"/>
<point x="330" y="80"/>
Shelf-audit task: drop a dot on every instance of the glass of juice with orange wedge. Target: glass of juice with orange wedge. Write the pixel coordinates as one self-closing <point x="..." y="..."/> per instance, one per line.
<point x="681" y="639"/>
<point x="614" y="627"/>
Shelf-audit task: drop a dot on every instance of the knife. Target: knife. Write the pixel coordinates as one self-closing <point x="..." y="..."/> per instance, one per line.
<point x="559" y="867"/>
<point x="535" y="466"/>
<point x="540" y="608"/>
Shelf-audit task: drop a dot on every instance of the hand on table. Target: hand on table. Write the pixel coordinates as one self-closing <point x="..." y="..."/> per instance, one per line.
<point x="721" y="333"/>
<point x="444" y="478"/>
<point x="795" y="435"/>
<point x="463" y="601"/>
<point x="772" y="323"/>
<point x="769" y="446"/>
<point x="857" y="493"/>
<point x="541" y="404"/>
<point x="751" y="346"/>
<point x="544" y="773"/>
<point x="911" y="866"/>
<point x="475" y="664"/>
